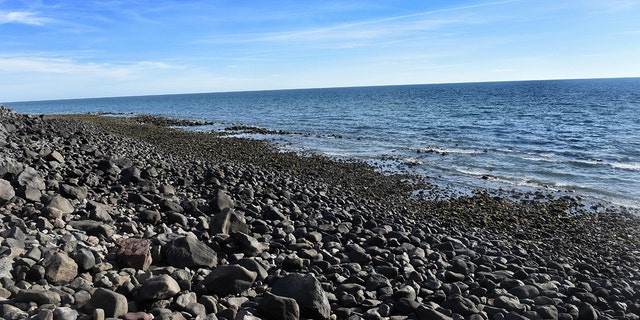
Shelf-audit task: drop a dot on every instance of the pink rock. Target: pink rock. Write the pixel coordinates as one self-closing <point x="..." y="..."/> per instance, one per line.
<point x="134" y="253"/>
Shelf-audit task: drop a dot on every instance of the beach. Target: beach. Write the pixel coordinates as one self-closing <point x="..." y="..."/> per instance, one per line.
<point x="111" y="217"/>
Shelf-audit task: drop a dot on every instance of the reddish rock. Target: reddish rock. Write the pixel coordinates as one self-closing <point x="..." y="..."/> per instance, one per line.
<point x="60" y="268"/>
<point x="134" y="253"/>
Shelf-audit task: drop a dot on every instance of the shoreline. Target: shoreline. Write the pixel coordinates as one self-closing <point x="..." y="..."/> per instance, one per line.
<point x="372" y="249"/>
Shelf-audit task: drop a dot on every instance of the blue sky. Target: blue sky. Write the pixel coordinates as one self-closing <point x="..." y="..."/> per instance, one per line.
<point x="53" y="49"/>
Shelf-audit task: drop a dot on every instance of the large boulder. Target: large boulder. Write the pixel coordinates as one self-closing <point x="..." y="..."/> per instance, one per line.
<point x="277" y="307"/>
<point x="308" y="293"/>
<point x="228" y="221"/>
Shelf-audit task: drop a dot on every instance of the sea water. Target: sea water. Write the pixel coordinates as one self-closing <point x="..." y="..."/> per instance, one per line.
<point x="578" y="136"/>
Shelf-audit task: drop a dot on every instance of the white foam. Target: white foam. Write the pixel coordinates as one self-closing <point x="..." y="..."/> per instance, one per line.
<point x="627" y="166"/>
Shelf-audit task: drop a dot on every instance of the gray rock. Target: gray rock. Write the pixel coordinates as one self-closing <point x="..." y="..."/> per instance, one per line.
<point x="65" y="313"/>
<point x="30" y="177"/>
<point x="61" y="203"/>
<point x="158" y="288"/>
<point x="40" y="297"/>
<point x="114" y="304"/>
<point x="308" y="293"/>
<point x="99" y="211"/>
<point x="6" y="192"/>
<point x="508" y="303"/>
<point x="74" y="192"/>
<point x="94" y="228"/>
<point x="277" y="307"/>
<point x="249" y="245"/>
<point x="189" y="252"/>
<point x="29" y="193"/>
<point x="229" y="279"/>
<point x="253" y="265"/>
<point x="85" y="259"/>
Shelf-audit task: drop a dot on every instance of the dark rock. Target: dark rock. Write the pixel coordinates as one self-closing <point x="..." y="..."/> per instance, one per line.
<point x="587" y="312"/>
<point x="253" y="265"/>
<point x="525" y="291"/>
<point x="220" y="202"/>
<point x="114" y="304"/>
<point x="228" y="221"/>
<point x="99" y="212"/>
<point x="150" y="216"/>
<point x="29" y="193"/>
<point x="134" y="253"/>
<point x="277" y="307"/>
<point x="189" y="252"/>
<point x="308" y="292"/>
<point x="229" y="279"/>
<point x="249" y="245"/>
<point x="460" y="305"/>
<point x="424" y="313"/>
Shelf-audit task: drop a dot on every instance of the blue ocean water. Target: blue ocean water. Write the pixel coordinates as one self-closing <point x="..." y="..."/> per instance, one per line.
<point x="580" y="136"/>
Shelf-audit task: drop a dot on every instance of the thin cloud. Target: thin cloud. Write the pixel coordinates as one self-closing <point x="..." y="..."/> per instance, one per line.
<point x="23" y="17"/>
<point x="72" y="67"/>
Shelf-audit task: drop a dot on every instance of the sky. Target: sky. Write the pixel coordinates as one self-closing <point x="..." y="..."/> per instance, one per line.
<point x="58" y="49"/>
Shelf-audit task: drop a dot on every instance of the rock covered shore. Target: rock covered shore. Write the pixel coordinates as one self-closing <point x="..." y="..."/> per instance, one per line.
<point x="107" y="217"/>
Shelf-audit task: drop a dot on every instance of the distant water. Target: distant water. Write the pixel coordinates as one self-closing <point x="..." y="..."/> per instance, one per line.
<point x="580" y="136"/>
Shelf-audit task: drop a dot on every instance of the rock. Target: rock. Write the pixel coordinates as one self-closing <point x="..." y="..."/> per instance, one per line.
<point x="150" y="216"/>
<point x="228" y="221"/>
<point x="308" y="293"/>
<point x="65" y="313"/>
<point x="460" y="305"/>
<point x="424" y="313"/>
<point x="85" y="259"/>
<point x="249" y="245"/>
<point x="525" y="291"/>
<point x="158" y="288"/>
<point x="99" y="212"/>
<point x="189" y="252"/>
<point x="253" y="265"/>
<point x="221" y="201"/>
<point x="229" y="279"/>
<point x="74" y="192"/>
<point x="55" y="156"/>
<point x="508" y="303"/>
<point x="29" y="193"/>
<point x="61" y="203"/>
<point x="137" y="316"/>
<point x="60" y="268"/>
<point x="6" y="266"/>
<point x="587" y="312"/>
<point x="94" y="228"/>
<point x="30" y="177"/>
<point x="134" y="253"/>
<point x="114" y="304"/>
<point x="6" y="192"/>
<point x="277" y="307"/>
<point x="40" y="297"/>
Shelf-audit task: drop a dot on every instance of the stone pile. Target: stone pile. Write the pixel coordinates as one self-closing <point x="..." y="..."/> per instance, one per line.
<point x="97" y="225"/>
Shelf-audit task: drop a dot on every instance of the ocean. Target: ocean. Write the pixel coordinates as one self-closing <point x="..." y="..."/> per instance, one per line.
<point x="580" y="137"/>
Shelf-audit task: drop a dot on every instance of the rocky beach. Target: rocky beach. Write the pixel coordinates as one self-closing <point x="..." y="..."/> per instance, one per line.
<point x="110" y="217"/>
